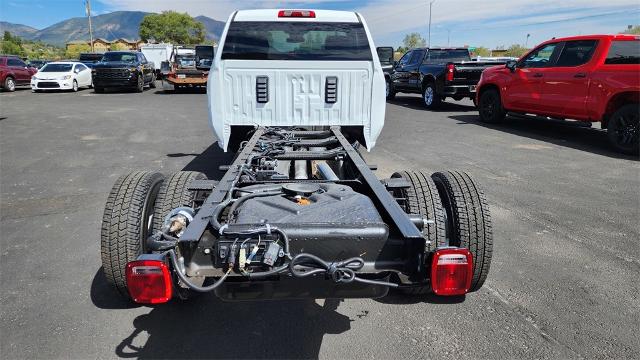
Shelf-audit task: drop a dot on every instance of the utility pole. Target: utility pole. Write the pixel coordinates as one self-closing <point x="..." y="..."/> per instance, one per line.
<point x="430" y="4"/>
<point x="88" y="10"/>
<point x="448" y="37"/>
<point x="526" y="42"/>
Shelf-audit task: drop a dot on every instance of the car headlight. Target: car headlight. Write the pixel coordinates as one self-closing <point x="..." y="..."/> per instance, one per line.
<point x="133" y="69"/>
<point x="34" y="78"/>
<point x="66" y="77"/>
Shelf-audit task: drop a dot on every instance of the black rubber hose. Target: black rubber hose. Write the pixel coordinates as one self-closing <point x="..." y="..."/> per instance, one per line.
<point x="192" y="286"/>
<point x="264" y="274"/>
<point x="240" y="200"/>
<point x="340" y="272"/>
<point x="216" y="214"/>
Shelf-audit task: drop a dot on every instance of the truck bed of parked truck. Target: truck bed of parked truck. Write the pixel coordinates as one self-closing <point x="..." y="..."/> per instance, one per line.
<point x="436" y="74"/>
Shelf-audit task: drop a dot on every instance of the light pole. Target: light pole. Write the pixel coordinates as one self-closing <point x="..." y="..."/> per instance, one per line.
<point x="526" y="42"/>
<point x="88" y="9"/>
<point x="430" y="4"/>
<point x="448" y="37"/>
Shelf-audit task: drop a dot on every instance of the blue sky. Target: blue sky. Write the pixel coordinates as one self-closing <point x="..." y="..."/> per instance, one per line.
<point x="460" y="22"/>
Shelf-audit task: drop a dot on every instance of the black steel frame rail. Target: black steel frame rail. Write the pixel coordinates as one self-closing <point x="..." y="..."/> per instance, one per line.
<point x="395" y="212"/>
<point x="197" y="227"/>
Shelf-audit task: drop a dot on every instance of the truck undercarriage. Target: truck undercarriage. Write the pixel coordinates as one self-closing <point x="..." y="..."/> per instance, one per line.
<point x="297" y="214"/>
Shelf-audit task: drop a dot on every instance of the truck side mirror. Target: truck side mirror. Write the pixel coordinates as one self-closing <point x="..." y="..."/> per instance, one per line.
<point x="511" y="65"/>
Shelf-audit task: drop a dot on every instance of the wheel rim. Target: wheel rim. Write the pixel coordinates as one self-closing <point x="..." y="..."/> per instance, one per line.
<point x="11" y="85"/>
<point x="428" y="96"/>
<point x="387" y="88"/>
<point x="626" y="130"/>
<point x="75" y="85"/>
<point x="140" y="83"/>
<point x="487" y="106"/>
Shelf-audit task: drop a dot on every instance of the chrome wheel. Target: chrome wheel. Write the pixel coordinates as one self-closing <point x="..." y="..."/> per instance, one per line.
<point x="10" y="84"/>
<point x="75" y="86"/>
<point x="428" y="96"/>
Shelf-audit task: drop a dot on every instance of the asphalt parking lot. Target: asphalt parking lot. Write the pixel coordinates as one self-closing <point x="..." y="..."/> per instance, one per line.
<point x="563" y="282"/>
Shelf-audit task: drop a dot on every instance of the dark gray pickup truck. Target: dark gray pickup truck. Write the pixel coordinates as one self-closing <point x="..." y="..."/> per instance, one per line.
<point x="437" y="73"/>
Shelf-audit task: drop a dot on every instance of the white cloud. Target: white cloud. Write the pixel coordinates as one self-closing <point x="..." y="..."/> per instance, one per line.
<point x="216" y="9"/>
<point x="392" y="17"/>
<point x="468" y="20"/>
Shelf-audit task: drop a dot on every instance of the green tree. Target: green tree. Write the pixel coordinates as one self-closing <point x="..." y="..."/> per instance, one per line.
<point x="635" y="30"/>
<point x="481" y="51"/>
<point x="172" y="27"/>
<point x="11" y="45"/>
<point x="74" y="51"/>
<point x="118" y="46"/>
<point x="516" y="50"/>
<point x="413" y="40"/>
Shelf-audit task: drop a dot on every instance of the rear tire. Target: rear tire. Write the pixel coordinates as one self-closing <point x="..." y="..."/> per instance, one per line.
<point x="623" y="129"/>
<point x="490" y="107"/>
<point x="125" y="224"/>
<point x="468" y="220"/>
<point x="430" y="98"/>
<point x="422" y="198"/>
<point x="174" y="193"/>
<point x="391" y="94"/>
<point x="9" y="84"/>
<point x="152" y="84"/>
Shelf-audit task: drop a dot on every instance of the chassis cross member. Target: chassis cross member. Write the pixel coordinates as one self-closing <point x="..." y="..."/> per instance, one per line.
<point x="298" y="214"/>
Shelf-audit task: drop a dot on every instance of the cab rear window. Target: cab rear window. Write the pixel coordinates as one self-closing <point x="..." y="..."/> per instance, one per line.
<point x="271" y="40"/>
<point x="624" y="52"/>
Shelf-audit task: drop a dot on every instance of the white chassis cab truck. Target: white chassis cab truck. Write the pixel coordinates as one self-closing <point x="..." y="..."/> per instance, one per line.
<point x="298" y="212"/>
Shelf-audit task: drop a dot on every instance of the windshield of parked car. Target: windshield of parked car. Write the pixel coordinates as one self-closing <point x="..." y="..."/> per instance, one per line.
<point x="90" y="57"/>
<point x="57" y="68"/>
<point x="123" y="57"/>
<point x="624" y="52"/>
<point x="447" y="55"/>
<point x="270" y="40"/>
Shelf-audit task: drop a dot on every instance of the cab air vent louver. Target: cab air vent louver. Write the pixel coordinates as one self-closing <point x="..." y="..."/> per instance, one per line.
<point x="331" y="90"/>
<point x="262" y="89"/>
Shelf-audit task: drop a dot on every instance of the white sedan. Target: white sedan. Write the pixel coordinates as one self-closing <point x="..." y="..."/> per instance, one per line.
<point x="61" y="75"/>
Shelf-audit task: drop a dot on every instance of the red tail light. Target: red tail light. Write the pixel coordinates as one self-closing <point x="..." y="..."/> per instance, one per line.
<point x="149" y="281"/>
<point x="297" y="13"/>
<point x="451" y="272"/>
<point x="450" y="69"/>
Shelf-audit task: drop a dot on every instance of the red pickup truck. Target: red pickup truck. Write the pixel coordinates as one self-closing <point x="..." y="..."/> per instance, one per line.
<point x="588" y="78"/>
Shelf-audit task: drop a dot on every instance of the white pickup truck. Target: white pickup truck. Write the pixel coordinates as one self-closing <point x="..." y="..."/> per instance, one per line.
<point x="298" y="213"/>
<point x="297" y="56"/>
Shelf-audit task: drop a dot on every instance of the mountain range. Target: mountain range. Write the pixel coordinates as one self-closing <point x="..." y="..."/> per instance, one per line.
<point x="111" y="26"/>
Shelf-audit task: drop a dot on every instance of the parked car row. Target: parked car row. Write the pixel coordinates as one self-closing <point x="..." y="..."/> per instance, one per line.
<point x="585" y="78"/>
